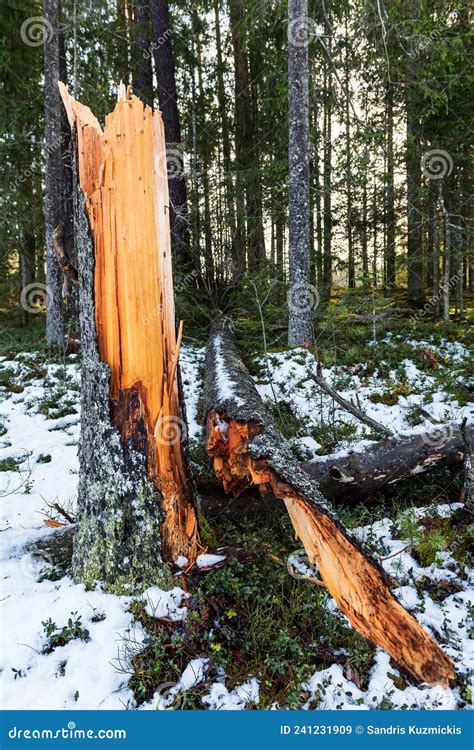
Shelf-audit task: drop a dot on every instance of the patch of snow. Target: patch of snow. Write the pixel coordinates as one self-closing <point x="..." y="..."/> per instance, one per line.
<point x="167" y="604"/>
<point x="220" y="698"/>
<point x="207" y="560"/>
<point x="226" y="387"/>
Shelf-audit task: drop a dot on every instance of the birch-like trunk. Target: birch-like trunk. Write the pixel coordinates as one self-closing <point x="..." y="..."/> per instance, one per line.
<point x="300" y="295"/>
<point x="53" y="176"/>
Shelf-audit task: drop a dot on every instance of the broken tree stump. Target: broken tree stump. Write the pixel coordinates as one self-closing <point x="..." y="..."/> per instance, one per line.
<point x="247" y="450"/>
<point x="136" y="503"/>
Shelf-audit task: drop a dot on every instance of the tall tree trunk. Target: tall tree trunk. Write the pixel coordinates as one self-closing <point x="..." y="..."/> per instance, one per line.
<point x="255" y="229"/>
<point x="27" y="253"/>
<point x="300" y="295"/>
<point x="53" y="176"/>
<point x="168" y="100"/>
<point x="136" y="505"/>
<point x="142" y="71"/>
<point x="364" y="242"/>
<point x="436" y="256"/>
<point x="226" y="148"/>
<point x="204" y="150"/>
<point x="416" y="291"/>
<point x="350" y="241"/>
<point x="241" y="125"/>
<point x="390" y="191"/>
<point x="327" y="183"/>
<point x="447" y="253"/>
<point x="374" y="234"/>
<point x="67" y="219"/>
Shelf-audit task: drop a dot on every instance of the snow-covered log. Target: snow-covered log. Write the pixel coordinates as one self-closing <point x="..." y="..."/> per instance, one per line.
<point x="136" y="505"/>
<point x="363" y="471"/>
<point x="247" y="450"/>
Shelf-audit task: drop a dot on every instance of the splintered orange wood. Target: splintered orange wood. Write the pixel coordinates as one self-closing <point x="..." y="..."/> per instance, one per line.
<point x="122" y="172"/>
<point x="356" y="584"/>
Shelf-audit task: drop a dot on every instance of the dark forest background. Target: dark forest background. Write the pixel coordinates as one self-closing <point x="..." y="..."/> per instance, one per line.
<point x="390" y="91"/>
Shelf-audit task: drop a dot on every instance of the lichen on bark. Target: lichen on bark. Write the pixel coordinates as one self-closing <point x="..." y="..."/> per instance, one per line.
<point x="117" y="540"/>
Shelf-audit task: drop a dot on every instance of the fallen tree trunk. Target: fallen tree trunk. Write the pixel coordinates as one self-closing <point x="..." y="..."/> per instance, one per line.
<point x="248" y="450"/>
<point x="136" y="505"/>
<point x="363" y="471"/>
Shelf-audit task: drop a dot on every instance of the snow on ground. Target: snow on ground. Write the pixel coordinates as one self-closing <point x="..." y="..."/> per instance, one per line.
<point x="448" y="621"/>
<point x="39" y="431"/>
<point x="292" y="384"/>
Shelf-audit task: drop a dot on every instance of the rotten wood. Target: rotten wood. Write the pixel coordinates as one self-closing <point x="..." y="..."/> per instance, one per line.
<point x="130" y="319"/>
<point x="247" y="449"/>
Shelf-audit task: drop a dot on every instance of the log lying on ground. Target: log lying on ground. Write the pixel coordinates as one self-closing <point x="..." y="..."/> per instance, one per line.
<point x="248" y="450"/>
<point x="136" y="502"/>
<point x="363" y="471"/>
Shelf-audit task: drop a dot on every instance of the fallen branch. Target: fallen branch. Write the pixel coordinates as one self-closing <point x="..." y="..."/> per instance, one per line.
<point x="363" y="471"/>
<point x="248" y="450"/>
<point x="347" y="406"/>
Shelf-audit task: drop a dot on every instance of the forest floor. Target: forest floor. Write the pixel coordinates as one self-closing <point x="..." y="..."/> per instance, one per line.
<point x="246" y="633"/>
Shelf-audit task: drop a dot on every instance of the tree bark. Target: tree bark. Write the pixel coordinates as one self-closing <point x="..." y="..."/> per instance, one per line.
<point x="143" y="74"/>
<point x="348" y="170"/>
<point x="361" y="472"/>
<point x="390" y="192"/>
<point x="168" y="100"/>
<point x="300" y="296"/>
<point x="327" y="183"/>
<point x="226" y="149"/>
<point x="416" y="290"/>
<point x="53" y="176"/>
<point x="248" y="450"/>
<point x="136" y="504"/>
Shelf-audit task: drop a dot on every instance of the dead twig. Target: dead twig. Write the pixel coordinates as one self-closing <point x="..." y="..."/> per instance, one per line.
<point x="347" y="406"/>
